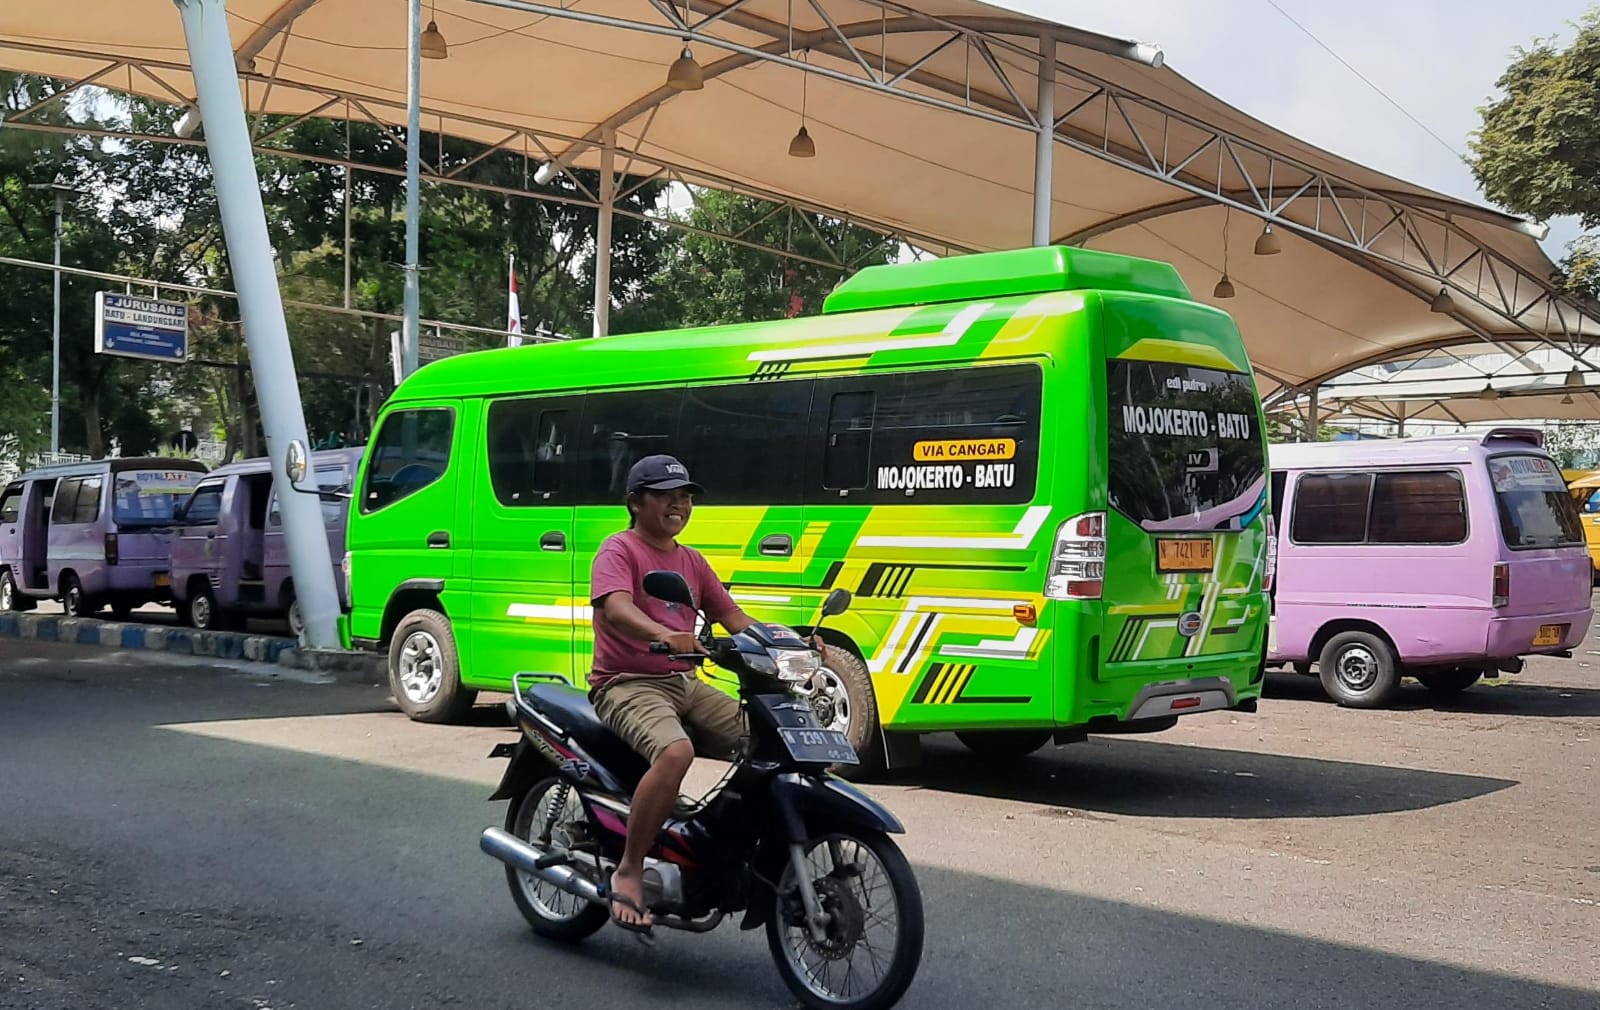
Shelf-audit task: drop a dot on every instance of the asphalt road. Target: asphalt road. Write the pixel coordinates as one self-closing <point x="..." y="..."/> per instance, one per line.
<point x="179" y="834"/>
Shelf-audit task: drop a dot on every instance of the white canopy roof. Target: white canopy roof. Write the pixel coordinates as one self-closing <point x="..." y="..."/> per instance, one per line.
<point x="923" y="113"/>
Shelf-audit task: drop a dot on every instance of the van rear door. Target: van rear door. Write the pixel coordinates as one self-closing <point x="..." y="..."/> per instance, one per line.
<point x="1549" y="570"/>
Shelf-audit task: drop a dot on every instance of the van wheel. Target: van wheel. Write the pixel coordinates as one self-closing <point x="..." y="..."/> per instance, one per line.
<point x="1359" y="669"/>
<point x="425" y="669"/>
<point x="296" y="617"/>
<point x="841" y="695"/>
<point x="73" y="602"/>
<point x="11" y="598"/>
<point x="121" y="609"/>
<point x="204" y="614"/>
<point x="1449" y="680"/>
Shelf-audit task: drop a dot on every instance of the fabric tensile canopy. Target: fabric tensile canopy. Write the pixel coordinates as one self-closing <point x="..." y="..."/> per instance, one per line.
<point x="925" y="119"/>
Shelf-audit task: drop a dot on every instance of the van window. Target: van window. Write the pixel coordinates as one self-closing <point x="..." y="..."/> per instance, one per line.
<point x="11" y="505"/>
<point x="65" y="506"/>
<point x="617" y="430"/>
<point x="529" y="446"/>
<point x="1331" y="508"/>
<point x="88" y="509"/>
<point x="1418" y="507"/>
<point x="334" y="478"/>
<point x="958" y="436"/>
<point x="150" y="497"/>
<point x="1184" y="448"/>
<point x="747" y="440"/>
<point x="847" y="454"/>
<point x="1535" y="509"/>
<point x="205" y="506"/>
<point x="410" y="451"/>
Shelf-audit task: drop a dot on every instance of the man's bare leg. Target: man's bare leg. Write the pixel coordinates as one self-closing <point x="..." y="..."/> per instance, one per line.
<point x="652" y="801"/>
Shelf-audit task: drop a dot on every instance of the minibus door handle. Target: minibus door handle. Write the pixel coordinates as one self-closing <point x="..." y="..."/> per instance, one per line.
<point x="779" y="545"/>
<point x="438" y="538"/>
<point x="553" y="541"/>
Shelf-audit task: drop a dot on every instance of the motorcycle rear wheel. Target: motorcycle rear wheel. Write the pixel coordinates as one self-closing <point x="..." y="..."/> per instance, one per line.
<point x="875" y="934"/>
<point x="552" y="912"/>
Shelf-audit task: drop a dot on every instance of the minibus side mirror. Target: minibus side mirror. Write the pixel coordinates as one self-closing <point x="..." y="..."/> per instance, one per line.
<point x="296" y="463"/>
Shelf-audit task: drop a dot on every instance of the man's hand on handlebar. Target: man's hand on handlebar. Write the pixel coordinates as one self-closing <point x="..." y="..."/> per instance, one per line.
<point x="682" y="643"/>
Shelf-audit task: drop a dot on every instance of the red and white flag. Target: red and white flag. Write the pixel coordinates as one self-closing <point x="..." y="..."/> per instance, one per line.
<point x="514" y="310"/>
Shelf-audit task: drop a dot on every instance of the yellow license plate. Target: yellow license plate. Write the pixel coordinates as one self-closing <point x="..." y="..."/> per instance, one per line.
<point x="162" y="579"/>
<point x="1185" y="555"/>
<point x="1550" y="634"/>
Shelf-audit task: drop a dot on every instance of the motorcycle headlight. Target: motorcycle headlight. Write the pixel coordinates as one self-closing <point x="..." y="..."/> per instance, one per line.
<point x="798" y="665"/>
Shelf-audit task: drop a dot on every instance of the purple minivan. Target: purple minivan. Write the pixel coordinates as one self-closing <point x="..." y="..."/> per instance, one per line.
<point x="230" y="559"/>
<point x="91" y="534"/>
<point x="1445" y="559"/>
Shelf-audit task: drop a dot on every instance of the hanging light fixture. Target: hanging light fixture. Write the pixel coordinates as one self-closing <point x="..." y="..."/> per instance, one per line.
<point x="1574" y="379"/>
<point x="685" y="74"/>
<point x="1267" y="243"/>
<point x="433" y="44"/>
<point x="802" y="146"/>
<point x="1442" y="302"/>
<point x="1224" y="288"/>
<point x="1488" y="392"/>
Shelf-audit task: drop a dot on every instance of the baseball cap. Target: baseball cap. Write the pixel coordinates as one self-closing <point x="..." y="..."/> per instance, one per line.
<point x="660" y="473"/>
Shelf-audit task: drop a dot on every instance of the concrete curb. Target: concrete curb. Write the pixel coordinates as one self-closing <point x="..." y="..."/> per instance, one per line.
<point x="357" y="667"/>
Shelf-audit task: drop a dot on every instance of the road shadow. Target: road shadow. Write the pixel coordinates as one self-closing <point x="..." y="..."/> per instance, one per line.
<point x="1506" y="696"/>
<point x="1139" y="778"/>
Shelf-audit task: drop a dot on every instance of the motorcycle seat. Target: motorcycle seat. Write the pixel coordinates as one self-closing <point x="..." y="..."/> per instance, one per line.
<point x="569" y="708"/>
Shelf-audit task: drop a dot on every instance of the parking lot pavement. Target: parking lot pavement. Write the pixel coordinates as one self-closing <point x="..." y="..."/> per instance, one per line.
<point x="218" y="819"/>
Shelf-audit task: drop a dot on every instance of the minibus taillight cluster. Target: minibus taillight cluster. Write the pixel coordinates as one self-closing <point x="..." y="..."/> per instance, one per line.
<point x="1269" y="570"/>
<point x="111" y="549"/>
<point x="1078" y="561"/>
<point x="1502" y="584"/>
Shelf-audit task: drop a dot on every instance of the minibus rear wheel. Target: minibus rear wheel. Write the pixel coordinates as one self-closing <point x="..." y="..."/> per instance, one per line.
<point x="1359" y="669"/>
<point x="425" y="669"/>
<point x="1449" y="679"/>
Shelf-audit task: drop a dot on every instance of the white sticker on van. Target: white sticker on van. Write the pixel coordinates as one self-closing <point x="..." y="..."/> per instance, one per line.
<point x="1525" y="473"/>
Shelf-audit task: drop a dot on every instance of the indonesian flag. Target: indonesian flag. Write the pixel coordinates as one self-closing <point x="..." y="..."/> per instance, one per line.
<point x="514" y="310"/>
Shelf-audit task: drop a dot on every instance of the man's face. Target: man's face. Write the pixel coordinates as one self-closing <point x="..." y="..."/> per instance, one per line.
<point x="665" y="512"/>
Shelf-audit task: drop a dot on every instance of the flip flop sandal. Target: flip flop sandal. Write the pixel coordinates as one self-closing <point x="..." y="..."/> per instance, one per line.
<point x="643" y="932"/>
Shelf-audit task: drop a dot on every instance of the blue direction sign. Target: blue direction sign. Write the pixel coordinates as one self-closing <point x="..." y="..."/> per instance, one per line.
<point x="140" y="327"/>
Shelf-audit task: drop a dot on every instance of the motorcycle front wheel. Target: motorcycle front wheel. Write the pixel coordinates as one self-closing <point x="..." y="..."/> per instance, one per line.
<point x="873" y="940"/>
<point x="546" y="816"/>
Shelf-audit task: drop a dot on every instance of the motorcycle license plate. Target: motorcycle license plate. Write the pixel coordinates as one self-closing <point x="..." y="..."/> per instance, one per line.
<point x="821" y="746"/>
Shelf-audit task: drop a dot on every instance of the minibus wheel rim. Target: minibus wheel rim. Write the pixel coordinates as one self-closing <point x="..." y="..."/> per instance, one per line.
<point x="421" y="667"/>
<point x="1358" y="668"/>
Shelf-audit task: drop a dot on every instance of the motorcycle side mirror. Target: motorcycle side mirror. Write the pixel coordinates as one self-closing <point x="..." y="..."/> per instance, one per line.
<point x="669" y="586"/>
<point x="837" y="603"/>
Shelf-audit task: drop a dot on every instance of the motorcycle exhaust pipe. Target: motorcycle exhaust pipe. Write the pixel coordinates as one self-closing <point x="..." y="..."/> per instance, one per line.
<point x="513" y="851"/>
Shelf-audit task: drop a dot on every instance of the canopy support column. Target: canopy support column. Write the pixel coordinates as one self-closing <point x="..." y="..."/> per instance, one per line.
<point x="1313" y="417"/>
<point x="244" y="229"/>
<point x="408" y="332"/>
<point x="1045" y="141"/>
<point x="602" y="238"/>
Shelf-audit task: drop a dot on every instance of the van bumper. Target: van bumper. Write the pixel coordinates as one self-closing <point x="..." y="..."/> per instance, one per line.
<point x="1509" y="637"/>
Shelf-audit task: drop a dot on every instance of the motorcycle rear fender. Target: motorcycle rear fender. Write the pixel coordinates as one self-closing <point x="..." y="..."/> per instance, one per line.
<point x="527" y="767"/>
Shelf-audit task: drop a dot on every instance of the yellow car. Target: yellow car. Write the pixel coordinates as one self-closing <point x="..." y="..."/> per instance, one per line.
<point x="1584" y="486"/>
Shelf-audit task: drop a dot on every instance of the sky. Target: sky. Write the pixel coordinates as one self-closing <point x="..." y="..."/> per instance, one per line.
<point x="1438" y="59"/>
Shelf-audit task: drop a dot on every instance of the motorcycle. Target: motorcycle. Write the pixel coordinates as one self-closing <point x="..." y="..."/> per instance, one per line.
<point x="781" y="839"/>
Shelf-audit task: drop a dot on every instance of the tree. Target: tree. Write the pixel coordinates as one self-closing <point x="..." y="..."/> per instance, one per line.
<point x="1538" y="149"/>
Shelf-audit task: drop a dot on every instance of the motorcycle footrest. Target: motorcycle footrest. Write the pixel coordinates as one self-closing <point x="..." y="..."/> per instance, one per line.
<point x="550" y="859"/>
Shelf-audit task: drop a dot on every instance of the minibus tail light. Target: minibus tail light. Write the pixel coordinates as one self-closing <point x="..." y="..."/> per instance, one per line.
<point x="111" y="549"/>
<point x="1502" y="584"/>
<point x="1269" y="569"/>
<point x="1078" y="559"/>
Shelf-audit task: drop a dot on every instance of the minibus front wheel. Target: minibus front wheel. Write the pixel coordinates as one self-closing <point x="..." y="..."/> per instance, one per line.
<point x="425" y="669"/>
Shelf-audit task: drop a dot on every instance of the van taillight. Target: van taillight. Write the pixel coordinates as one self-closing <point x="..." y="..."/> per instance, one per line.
<point x="1078" y="559"/>
<point x="1502" y="584"/>
<point x="1269" y="570"/>
<point x="111" y="548"/>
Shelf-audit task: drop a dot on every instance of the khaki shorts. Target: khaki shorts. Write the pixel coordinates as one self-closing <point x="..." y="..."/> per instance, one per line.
<point x="650" y="713"/>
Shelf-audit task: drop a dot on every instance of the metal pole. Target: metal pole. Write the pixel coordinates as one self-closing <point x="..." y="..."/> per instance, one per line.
<point x="408" y="332"/>
<point x="1045" y="142"/>
<point x="602" y="239"/>
<point x="244" y="228"/>
<point x="55" y="349"/>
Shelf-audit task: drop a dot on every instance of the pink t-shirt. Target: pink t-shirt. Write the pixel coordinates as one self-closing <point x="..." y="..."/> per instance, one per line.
<point x="620" y="566"/>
